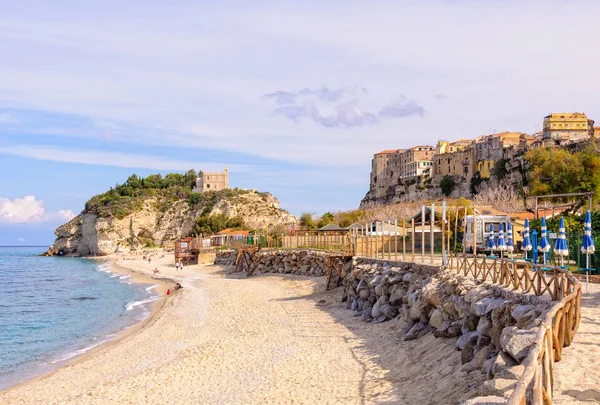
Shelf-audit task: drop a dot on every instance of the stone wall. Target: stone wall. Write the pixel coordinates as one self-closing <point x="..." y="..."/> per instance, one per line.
<point x="225" y="257"/>
<point x="494" y="327"/>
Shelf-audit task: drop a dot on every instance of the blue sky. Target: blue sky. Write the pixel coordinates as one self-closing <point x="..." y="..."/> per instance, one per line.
<point x="293" y="97"/>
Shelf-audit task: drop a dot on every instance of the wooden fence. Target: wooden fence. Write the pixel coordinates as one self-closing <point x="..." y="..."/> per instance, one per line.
<point x="405" y="245"/>
<point x="558" y="326"/>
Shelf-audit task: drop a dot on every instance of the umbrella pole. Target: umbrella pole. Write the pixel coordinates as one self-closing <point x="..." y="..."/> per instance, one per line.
<point x="587" y="269"/>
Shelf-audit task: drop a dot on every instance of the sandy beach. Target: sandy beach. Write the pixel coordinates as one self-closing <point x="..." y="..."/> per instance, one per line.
<point x="223" y="339"/>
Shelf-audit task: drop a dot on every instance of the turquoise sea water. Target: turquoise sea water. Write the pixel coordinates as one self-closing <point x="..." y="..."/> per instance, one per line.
<point x="53" y="308"/>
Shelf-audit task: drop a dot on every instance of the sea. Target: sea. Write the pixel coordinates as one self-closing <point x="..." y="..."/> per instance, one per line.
<point x="53" y="309"/>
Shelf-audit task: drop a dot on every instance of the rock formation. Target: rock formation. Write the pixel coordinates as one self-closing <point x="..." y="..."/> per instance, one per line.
<point x="90" y="234"/>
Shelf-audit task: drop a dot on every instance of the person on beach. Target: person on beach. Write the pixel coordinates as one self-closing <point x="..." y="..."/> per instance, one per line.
<point x="168" y="292"/>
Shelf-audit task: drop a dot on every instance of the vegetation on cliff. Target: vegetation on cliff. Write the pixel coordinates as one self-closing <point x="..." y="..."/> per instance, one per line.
<point x="129" y="197"/>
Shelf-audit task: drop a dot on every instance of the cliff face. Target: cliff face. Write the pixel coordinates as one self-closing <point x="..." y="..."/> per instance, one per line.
<point x="89" y="234"/>
<point x="412" y="191"/>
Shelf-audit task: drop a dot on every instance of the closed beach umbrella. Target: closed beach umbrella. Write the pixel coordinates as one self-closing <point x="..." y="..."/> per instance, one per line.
<point x="560" y="246"/>
<point x="587" y="247"/>
<point x="544" y="245"/>
<point x="526" y="246"/>
<point x="491" y="244"/>
<point x="501" y="244"/>
<point x="510" y="244"/>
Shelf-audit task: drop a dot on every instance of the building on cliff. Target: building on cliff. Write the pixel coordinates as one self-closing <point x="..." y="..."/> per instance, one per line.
<point x="454" y="159"/>
<point x="417" y="161"/>
<point x="490" y="148"/>
<point x="568" y="127"/>
<point x="212" y="181"/>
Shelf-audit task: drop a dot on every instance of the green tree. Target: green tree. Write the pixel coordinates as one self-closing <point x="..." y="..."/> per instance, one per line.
<point x="307" y="222"/>
<point x="134" y="181"/>
<point x="195" y="199"/>
<point x="327" y="218"/>
<point x="500" y="170"/>
<point x="559" y="171"/>
<point x="189" y="179"/>
<point x="448" y="184"/>
<point x="173" y="179"/>
<point x="152" y="181"/>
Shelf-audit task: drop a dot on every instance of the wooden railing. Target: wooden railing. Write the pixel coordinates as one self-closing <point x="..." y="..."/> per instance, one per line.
<point x="329" y="241"/>
<point x="557" y="329"/>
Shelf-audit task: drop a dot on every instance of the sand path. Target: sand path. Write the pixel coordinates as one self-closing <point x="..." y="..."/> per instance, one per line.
<point x="263" y="340"/>
<point x="578" y="373"/>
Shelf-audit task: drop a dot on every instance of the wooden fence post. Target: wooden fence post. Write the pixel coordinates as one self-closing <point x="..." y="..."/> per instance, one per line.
<point x="422" y="234"/>
<point x="431" y="233"/>
<point x="413" y="240"/>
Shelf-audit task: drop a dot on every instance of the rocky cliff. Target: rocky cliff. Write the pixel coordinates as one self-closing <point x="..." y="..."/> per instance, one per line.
<point x="154" y="222"/>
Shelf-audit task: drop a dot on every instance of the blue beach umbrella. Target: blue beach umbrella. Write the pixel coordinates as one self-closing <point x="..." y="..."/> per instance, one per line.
<point x="560" y="246"/>
<point x="587" y="247"/>
<point x="510" y="245"/>
<point x="501" y="244"/>
<point x="526" y="246"/>
<point x="544" y="245"/>
<point x="491" y="245"/>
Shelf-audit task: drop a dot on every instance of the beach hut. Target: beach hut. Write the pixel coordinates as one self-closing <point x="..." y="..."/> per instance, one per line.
<point x="332" y="228"/>
<point x="560" y="246"/>
<point x="587" y="247"/>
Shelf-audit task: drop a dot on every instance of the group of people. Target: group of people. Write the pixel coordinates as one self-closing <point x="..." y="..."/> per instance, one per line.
<point x="178" y="266"/>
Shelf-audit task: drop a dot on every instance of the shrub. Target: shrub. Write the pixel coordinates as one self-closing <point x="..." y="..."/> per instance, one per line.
<point x="448" y="184"/>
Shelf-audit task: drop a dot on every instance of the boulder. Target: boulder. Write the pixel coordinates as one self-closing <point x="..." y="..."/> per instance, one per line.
<point x="469" y="337"/>
<point x="472" y="322"/>
<point x="498" y="387"/>
<point x="416" y="331"/>
<point x="479" y="308"/>
<point x="376" y="310"/>
<point x="521" y="310"/>
<point x="364" y="294"/>
<point x="485" y="326"/>
<point x="467" y="354"/>
<point x="398" y="294"/>
<point x="389" y="311"/>
<point x="502" y="362"/>
<point x="518" y="342"/>
<point x="435" y="318"/>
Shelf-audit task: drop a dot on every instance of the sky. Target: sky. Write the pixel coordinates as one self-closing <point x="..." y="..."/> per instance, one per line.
<point x="293" y="97"/>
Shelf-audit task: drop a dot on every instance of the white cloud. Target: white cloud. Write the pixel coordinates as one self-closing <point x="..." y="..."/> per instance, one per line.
<point x="66" y="215"/>
<point x="21" y="240"/>
<point x="30" y="210"/>
<point x="116" y="159"/>
<point x="21" y="210"/>
<point x="211" y="78"/>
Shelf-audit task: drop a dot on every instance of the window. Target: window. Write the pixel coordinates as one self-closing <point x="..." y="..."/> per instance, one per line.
<point x="208" y="186"/>
<point x="207" y="177"/>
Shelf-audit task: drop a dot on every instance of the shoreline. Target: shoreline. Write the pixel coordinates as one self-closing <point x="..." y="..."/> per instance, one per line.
<point x="156" y="308"/>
